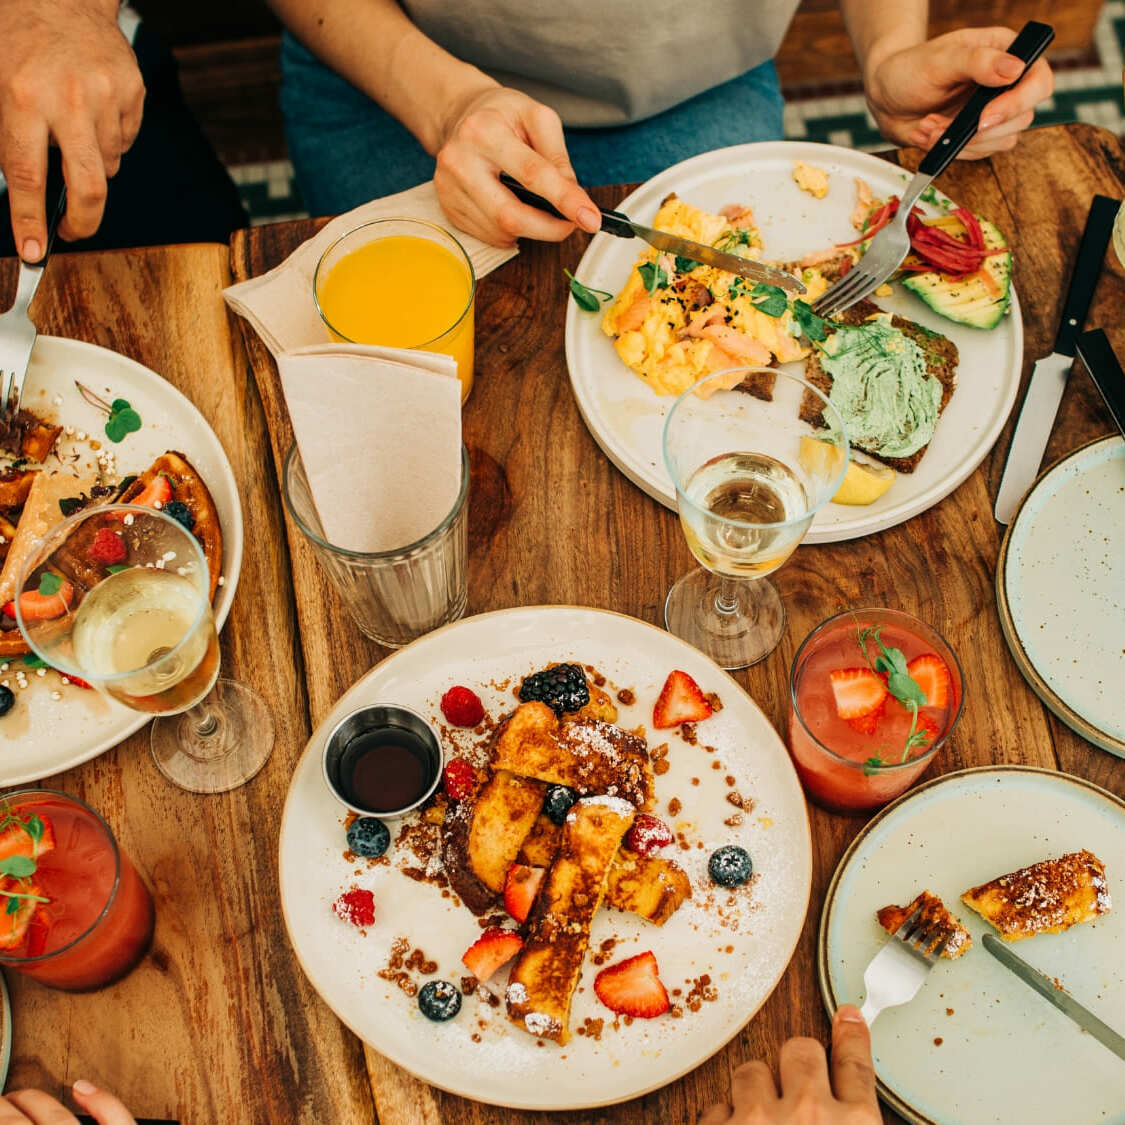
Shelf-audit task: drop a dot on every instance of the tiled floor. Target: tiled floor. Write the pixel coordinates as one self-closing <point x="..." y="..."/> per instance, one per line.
<point x="1089" y="91"/>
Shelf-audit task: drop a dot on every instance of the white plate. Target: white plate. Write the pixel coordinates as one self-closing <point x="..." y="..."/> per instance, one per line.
<point x="491" y="653"/>
<point x="1006" y="1054"/>
<point x="1060" y="584"/>
<point x="41" y="736"/>
<point x="627" y="418"/>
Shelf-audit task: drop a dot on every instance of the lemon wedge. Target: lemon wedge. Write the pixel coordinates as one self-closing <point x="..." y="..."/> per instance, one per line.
<point x="862" y="484"/>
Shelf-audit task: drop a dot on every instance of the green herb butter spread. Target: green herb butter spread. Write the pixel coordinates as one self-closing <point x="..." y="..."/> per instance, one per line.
<point x="880" y="385"/>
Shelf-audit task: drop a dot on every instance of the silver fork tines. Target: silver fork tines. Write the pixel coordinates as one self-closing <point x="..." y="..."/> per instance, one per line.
<point x="17" y="338"/>
<point x="897" y="971"/>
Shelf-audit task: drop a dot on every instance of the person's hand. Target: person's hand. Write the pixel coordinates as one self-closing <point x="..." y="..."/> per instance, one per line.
<point x="33" y="1107"/>
<point x="501" y="130"/>
<point x="67" y="74"/>
<point x="813" y="1092"/>
<point x="914" y="93"/>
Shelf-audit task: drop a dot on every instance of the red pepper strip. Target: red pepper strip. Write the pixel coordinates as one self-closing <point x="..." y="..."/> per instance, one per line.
<point x="953" y="256"/>
<point x="875" y="223"/>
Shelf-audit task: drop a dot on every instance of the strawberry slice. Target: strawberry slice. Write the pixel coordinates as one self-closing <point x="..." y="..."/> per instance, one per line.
<point x="17" y="839"/>
<point x="492" y="949"/>
<point x="858" y="692"/>
<point x="155" y="494"/>
<point x="867" y="724"/>
<point x="680" y="701"/>
<point x="928" y="728"/>
<point x="520" y="888"/>
<point x="648" y="834"/>
<point x="931" y="674"/>
<point x="42" y="607"/>
<point x="13" y="926"/>
<point x="459" y="779"/>
<point x="633" y="988"/>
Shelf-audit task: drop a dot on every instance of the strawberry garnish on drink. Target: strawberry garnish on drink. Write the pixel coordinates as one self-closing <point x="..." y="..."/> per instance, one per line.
<point x="15" y="920"/>
<point x="492" y="949"/>
<point x="22" y="841"/>
<point x="930" y="673"/>
<point x="680" y="701"/>
<point x="859" y="693"/>
<point x="633" y="988"/>
<point x="520" y="889"/>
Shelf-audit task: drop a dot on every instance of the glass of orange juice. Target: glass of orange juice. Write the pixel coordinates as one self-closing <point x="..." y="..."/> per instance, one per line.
<point x="400" y="283"/>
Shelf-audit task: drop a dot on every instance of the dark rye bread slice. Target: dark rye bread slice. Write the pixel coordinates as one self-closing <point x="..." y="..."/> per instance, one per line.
<point x="941" y="361"/>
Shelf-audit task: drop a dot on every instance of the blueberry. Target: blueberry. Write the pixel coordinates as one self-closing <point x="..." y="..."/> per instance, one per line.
<point x="7" y="699"/>
<point x="730" y="866"/>
<point x="558" y="801"/>
<point x="178" y="511"/>
<point x="439" y="1000"/>
<point x="368" y="837"/>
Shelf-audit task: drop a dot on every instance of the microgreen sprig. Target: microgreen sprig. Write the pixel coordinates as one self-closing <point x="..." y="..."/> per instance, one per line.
<point x="121" y="419"/>
<point x="901" y="684"/>
<point x="585" y="297"/>
<point x="653" y="277"/>
<point x="20" y="867"/>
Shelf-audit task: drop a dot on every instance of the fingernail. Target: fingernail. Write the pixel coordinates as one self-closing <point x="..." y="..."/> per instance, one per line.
<point x="988" y="122"/>
<point x="589" y="219"/>
<point x="1008" y="66"/>
<point x="84" y="1087"/>
<point x="850" y="1014"/>
<point x="31" y="250"/>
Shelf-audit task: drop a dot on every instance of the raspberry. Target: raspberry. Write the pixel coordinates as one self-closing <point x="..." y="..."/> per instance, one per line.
<point x="356" y="906"/>
<point x="108" y="547"/>
<point x="648" y="834"/>
<point x="462" y="707"/>
<point x="459" y="779"/>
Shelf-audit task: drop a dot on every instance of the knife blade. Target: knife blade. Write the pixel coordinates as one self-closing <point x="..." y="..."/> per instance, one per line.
<point x="1049" y="375"/>
<point x="1100" y="360"/>
<point x="1061" y="999"/>
<point x="614" y="222"/>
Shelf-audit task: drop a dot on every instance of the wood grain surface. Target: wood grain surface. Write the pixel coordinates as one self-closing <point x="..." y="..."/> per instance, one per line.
<point x="218" y="1023"/>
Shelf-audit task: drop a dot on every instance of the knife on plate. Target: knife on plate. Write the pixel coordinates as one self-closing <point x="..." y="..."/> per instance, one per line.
<point x="1049" y="375"/>
<point x="613" y="222"/>
<point x="1061" y="999"/>
<point x="1100" y="360"/>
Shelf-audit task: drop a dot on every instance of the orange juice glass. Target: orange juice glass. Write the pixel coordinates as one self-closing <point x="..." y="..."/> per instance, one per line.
<point x="400" y="283"/>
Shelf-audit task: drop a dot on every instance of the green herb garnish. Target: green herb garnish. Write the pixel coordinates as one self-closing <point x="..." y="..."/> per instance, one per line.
<point x="68" y="505"/>
<point x="49" y="584"/>
<point x="740" y="236"/>
<point x="20" y="867"/>
<point x="812" y="325"/>
<point x="769" y="299"/>
<point x="33" y="661"/>
<point x="585" y="297"/>
<point x="116" y="568"/>
<point x="121" y="419"/>
<point x="901" y="684"/>
<point x="685" y="265"/>
<point x="653" y="277"/>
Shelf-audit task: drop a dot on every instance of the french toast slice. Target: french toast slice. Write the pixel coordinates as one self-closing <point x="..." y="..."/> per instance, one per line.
<point x="953" y="939"/>
<point x="546" y="972"/>
<point x="482" y="837"/>
<point x="1045" y="898"/>
<point x="587" y="755"/>
<point x="648" y="886"/>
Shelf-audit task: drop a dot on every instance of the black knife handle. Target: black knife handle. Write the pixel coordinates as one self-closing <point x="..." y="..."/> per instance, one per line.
<point x="1100" y="360"/>
<point x="1031" y="42"/>
<point x="55" y="199"/>
<point x="612" y="221"/>
<point x="1091" y="253"/>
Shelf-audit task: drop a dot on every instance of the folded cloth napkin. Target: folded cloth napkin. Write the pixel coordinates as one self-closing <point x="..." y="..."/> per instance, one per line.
<point x="280" y="304"/>
<point x="379" y="430"/>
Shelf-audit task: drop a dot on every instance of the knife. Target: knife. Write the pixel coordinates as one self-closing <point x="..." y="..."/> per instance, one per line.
<point x="1062" y="1000"/>
<point x="1097" y="354"/>
<point x="1049" y="375"/>
<point x="613" y="222"/>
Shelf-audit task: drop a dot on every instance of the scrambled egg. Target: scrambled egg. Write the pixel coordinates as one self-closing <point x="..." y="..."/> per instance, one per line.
<point x="810" y="178"/>
<point x="675" y="322"/>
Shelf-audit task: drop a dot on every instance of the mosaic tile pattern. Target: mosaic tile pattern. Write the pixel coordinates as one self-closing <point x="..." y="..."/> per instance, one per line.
<point x="1089" y="90"/>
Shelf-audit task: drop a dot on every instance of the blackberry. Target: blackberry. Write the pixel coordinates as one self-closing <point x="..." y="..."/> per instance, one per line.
<point x="368" y="837"/>
<point x="178" y="510"/>
<point x="558" y="801"/>
<point x="439" y="1000"/>
<point x="730" y="866"/>
<point x="7" y="699"/>
<point x="562" y="687"/>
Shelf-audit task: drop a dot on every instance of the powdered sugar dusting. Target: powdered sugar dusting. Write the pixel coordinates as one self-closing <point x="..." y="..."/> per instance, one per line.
<point x="614" y="804"/>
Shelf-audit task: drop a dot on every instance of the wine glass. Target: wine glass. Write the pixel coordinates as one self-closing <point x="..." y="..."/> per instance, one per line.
<point x="750" y="473"/>
<point x="120" y="597"/>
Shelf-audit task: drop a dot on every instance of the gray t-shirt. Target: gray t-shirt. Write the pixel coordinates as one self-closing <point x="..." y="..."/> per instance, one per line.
<point x="602" y="63"/>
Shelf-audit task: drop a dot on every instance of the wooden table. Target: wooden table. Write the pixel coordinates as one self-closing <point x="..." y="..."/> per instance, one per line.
<point x="218" y="1024"/>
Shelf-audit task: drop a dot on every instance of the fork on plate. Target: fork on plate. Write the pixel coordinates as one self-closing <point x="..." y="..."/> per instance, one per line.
<point x="898" y="970"/>
<point x="891" y="244"/>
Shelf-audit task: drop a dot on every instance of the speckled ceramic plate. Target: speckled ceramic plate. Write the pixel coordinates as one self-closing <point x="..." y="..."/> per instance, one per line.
<point x="742" y="940"/>
<point x="5" y="1032"/>
<point x="40" y="735"/>
<point x="977" y="1045"/>
<point x="1060" y="585"/>
<point x="627" y="419"/>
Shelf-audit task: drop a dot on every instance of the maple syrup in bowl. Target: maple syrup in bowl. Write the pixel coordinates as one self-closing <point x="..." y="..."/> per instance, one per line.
<point x="382" y="760"/>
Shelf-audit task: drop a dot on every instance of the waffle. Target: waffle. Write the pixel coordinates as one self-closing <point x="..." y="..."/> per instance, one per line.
<point x="933" y="911"/>
<point x="546" y="972"/>
<point x="1045" y="898"/>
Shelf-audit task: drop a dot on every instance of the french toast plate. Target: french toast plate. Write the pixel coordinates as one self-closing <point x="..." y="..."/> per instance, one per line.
<point x="627" y="419"/>
<point x="742" y="939"/>
<point x="40" y="735"/>
<point x="976" y="1044"/>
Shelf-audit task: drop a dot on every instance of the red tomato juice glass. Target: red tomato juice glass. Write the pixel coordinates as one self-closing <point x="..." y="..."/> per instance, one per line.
<point x="852" y="766"/>
<point x="83" y="918"/>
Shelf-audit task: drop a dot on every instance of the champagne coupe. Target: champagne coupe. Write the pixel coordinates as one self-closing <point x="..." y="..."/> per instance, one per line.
<point x="120" y="596"/>
<point x="750" y="475"/>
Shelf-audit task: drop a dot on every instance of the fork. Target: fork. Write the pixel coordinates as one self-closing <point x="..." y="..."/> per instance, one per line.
<point x="17" y="331"/>
<point x="891" y="244"/>
<point x="898" y="970"/>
